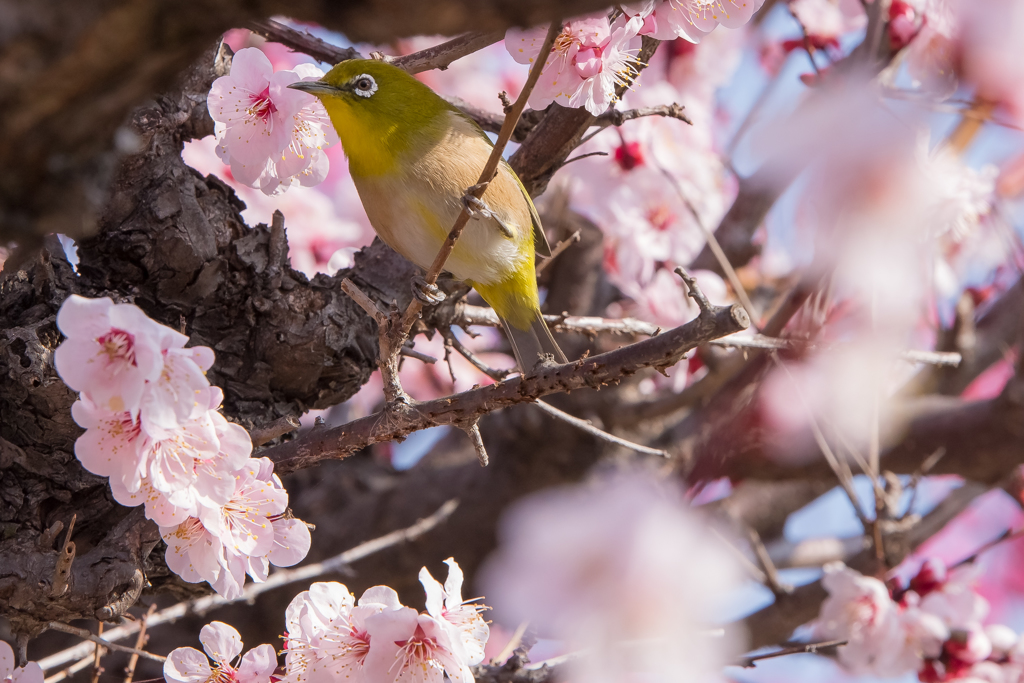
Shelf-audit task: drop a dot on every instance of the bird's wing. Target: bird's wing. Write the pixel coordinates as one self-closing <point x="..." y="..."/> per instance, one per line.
<point x="540" y="240"/>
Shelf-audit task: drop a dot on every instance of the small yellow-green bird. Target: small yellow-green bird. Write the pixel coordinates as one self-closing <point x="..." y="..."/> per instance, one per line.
<point x="413" y="156"/>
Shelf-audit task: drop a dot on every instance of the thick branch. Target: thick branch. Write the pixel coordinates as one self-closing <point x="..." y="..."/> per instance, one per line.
<point x="661" y="352"/>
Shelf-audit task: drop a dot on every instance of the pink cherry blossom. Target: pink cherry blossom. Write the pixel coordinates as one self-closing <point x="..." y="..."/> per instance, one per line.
<point x="112" y="446"/>
<point x="309" y="617"/>
<point x="291" y="536"/>
<point x="221" y="544"/>
<point x="111" y="352"/>
<point x="178" y="394"/>
<point x="327" y="638"/>
<point x="956" y="602"/>
<point x="410" y="647"/>
<point x="223" y="644"/>
<point x="691" y="19"/>
<point x="860" y="610"/>
<point x="621" y="559"/>
<point x="467" y="628"/>
<point x="589" y="59"/>
<point x="30" y="673"/>
<point x="196" y="555"/>
<point x="989" y="33"/>
<point x="828" y="18"/>
<point x="272" y="136"/>
<point x="242" y="523"/>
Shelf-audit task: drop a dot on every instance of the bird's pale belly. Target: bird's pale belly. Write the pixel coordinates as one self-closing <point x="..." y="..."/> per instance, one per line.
<point x="414" y="220"/>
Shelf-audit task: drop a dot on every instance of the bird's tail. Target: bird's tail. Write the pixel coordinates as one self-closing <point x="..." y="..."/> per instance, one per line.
<point x="531" y="342"/>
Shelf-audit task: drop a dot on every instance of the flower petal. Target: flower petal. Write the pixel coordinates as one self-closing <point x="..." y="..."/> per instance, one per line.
<point x="221" y="641"/>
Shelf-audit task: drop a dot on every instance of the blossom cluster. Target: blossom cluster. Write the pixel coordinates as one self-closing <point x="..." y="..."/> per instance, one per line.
<point x="333" y="638"/>
<point x="270" y="135"/>
<point x="931" y="625"/>
<point x="154" y="428"/>
<point x="592" y="56"/>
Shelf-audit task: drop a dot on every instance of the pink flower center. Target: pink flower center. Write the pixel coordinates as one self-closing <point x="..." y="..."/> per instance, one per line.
<point x="261" y="106"/>
<point x="223" y="673"/>
<point x="661" y="218"/>
<point x="190" y="529"/>
<point x="563" y="41"/>
<point x="418" y="650"/>
<point x="864" y="610"/>
<point x="119" y="347"/>
<point x="588" y="62"/>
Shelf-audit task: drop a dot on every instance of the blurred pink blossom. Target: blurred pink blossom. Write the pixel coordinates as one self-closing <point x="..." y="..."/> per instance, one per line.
<point x="620" y="559"/>
<point x="989" y="34"/>
<point x="829" y="18"/>
<point x="883" y="639"/>
<point x="223" y="645"/>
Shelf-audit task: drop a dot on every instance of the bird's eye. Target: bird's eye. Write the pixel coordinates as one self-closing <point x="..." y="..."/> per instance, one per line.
<point x="364" y="85"/>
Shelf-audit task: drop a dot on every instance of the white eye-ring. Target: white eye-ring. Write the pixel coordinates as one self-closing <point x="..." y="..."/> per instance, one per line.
<point x="364" y="85"/>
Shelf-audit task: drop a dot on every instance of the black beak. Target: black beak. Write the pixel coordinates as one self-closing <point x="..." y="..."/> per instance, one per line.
<point x="316" y="88"/>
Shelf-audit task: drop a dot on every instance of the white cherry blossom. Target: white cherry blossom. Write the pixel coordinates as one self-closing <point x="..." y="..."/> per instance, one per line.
<point x="223" y="645"/>
<point x="411" y="648"/>
<point x="462" y="619"/>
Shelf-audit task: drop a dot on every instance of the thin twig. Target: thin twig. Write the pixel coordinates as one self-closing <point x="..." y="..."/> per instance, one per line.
<point x="304" y="42"/>
<point x="140" y="642"/>
<point x="70" y="671"/>
<point x="277" y="579"/>
<point x="82" y="633"/>
<point x="512" y="644"/>
<point x="842" y="475"/>
<point x="558" y="249"/>
<point x="494" y="373"/>
<point x="584" y="156"/>
<point x="810" y="648"/>
<point x="365" y="302"/>
<point x="473" y="432"/>
<point x="755" y="572"/>
<point x="410" y="352"/>
<point x="716" y="249"/>
<point x="767" y="565"/>
<point x="589" y="428"/>
<point x="436" y="57"/>
<point x="96" y="668"/>
<point x="441" y="56"/>
<point x="915" y="479"/>
<point x="481" y="315"/>
<point x="616" y="117"/>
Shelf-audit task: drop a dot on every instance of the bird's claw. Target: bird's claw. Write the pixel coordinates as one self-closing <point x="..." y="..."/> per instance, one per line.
<point x="427" y="293"/>
<point x="477" y="208"/>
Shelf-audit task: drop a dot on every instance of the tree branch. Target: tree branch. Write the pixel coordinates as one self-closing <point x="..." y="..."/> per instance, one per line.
<point x="662" y="351"/>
